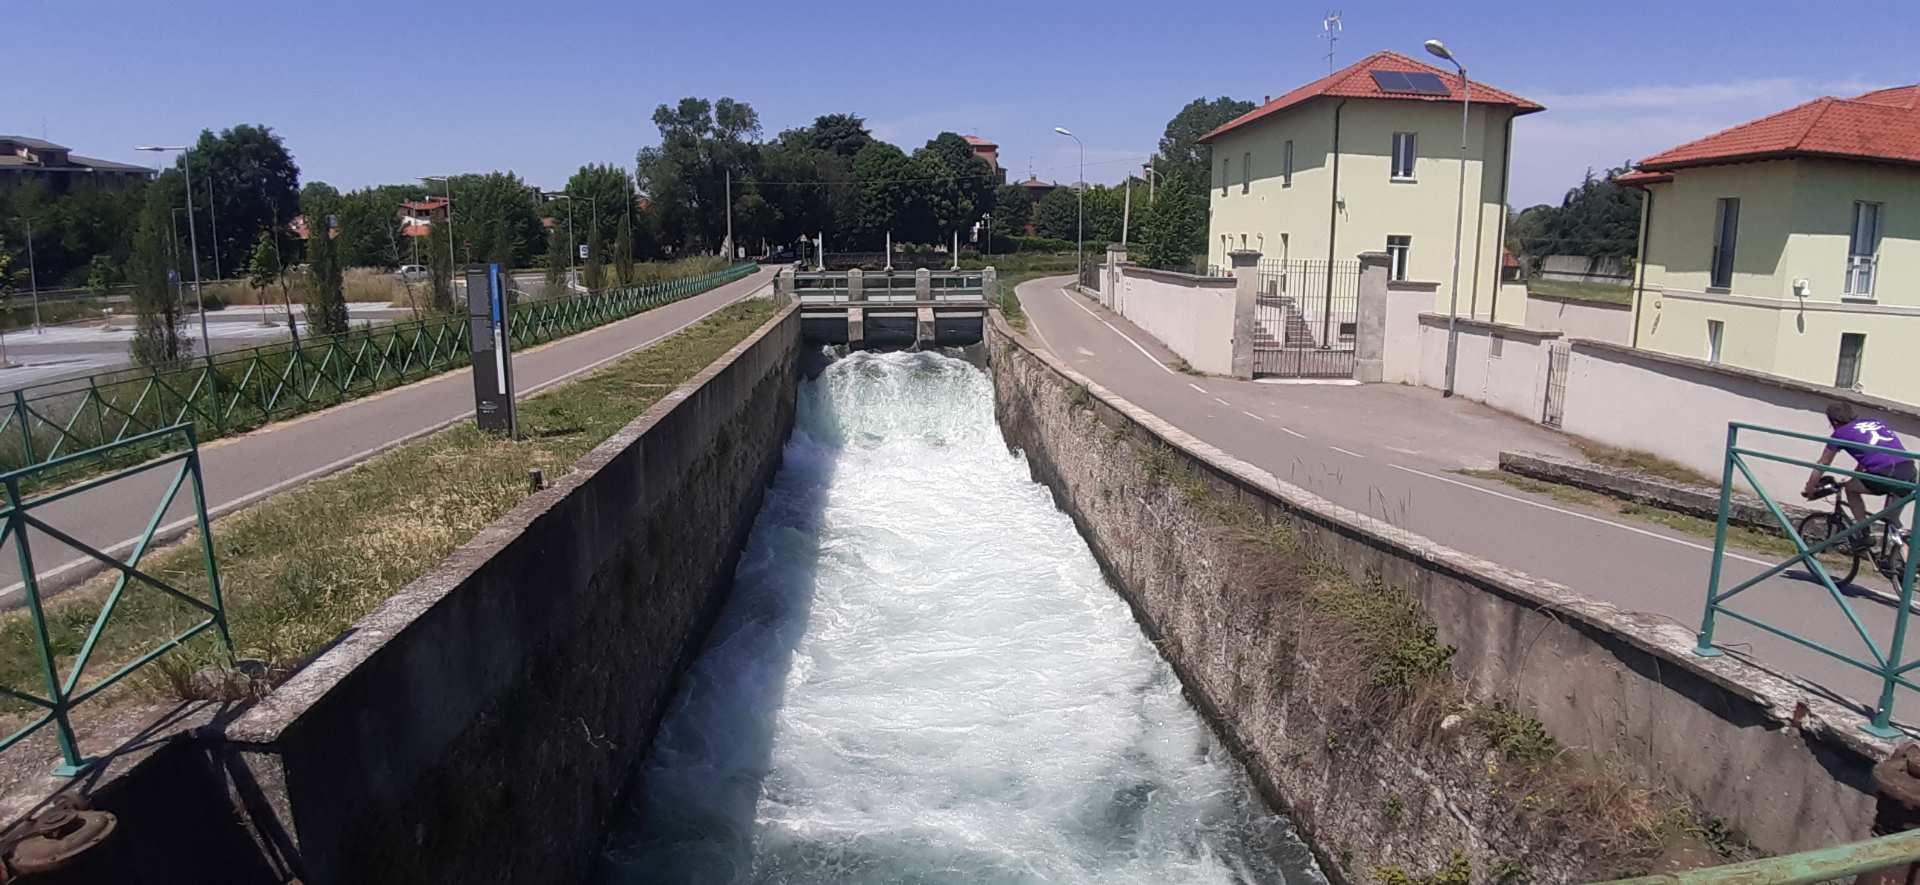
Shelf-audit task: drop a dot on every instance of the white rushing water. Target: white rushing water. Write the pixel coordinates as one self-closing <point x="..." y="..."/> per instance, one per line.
<point x="922" y="676"/>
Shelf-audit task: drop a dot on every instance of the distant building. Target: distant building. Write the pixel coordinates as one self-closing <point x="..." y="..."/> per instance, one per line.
<point x="1037" y="189"/>
<point x="990" y="152"/>
<point x="25" y="160"/>
<point x="1790" y="245"/>
<point x="417" y="216"/>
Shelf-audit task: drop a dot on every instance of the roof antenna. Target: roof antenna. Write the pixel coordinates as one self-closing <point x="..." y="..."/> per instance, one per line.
<point x="1330" y="29"/>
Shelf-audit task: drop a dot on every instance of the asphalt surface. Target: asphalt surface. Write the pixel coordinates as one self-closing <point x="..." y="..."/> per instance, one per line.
<point x="1394" y="452"/>
<point x="248" y="468"/>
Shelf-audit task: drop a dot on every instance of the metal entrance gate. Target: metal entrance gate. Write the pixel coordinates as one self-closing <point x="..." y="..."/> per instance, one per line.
<point x="1305" y="319"/>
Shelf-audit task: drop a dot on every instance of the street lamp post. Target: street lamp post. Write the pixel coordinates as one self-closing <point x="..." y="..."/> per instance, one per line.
<point x="1440" y="50"/>
<point x="988" y="218"/>
<point x="1152" y="175"/>
<point x="33" y="277"/>
<point x="1079" y="203"/>
<point x="193" y="243"/>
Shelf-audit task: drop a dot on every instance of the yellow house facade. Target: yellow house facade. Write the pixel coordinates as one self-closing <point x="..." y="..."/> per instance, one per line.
<point x="1791" y="245"/>
<point x="1345" y="165"/>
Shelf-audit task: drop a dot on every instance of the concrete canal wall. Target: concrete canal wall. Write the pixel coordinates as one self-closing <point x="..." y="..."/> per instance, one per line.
<point x="480" y="726"/>
<point x="1649" y="727"/>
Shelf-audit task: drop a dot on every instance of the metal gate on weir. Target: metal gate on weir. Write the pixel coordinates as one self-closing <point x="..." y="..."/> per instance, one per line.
<point x="1306" y="318"/>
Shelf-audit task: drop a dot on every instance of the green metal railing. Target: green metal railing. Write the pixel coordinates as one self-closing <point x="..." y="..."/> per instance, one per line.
<point x="1835" y="863"/>
<point x="1888" y="663"/>
<point x="236" y="391"/>
<point x="64" y="692"/>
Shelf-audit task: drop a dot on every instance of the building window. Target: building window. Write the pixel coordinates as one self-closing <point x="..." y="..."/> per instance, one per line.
<point x="1715" y="329"/>
<point x="1397" y="249"/>
<point x="1852" y="346"/>
<point x="1225" y="175"/>
<point x="1246" y="172"/>
<point x="1862" y="246"/>
<point x="1284" y="246"/>
<point x="1726" y="223"/>
<point x="1286" y="164"/>
<point x="1403" y="152"/>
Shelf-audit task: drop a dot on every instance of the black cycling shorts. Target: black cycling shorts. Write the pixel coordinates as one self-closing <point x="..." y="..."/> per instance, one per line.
<point x="1902" y="471"/>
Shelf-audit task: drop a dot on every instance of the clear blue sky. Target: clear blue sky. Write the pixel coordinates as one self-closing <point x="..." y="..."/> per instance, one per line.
<point x="381" y="92"/>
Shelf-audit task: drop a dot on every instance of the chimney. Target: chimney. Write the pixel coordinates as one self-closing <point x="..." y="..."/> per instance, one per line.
<point x="1266" y="99"/>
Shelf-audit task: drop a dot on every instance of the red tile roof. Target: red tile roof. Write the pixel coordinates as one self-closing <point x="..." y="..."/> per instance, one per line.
<point x="977" y="141"/>
<point x="1883" y="125"/>
<point x="1356" y="81"/>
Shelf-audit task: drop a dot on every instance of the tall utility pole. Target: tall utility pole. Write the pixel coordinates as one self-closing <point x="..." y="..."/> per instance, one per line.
<point x="453" y="260"/>
<point x="213" y="222"/>
<point x="1459" y="214"/>
<point x="33" y="277"/>
<point x="1126" y="214"/>
<point x="193" y="243"/>
<point x="573" y="266"/>
<point x="1079" y="204"/>
<point x="729" y="240"/>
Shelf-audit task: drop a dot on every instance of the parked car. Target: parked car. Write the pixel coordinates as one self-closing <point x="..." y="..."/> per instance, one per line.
<point x="411" y="273"/>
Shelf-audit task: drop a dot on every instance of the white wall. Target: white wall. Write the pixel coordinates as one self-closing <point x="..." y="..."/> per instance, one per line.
<point x="1502" y="366"/>
<point x="1581" y="319"/>
<point x="1679" y="409"/>
<point x="1401" y="362"/>
<point x="1192" y="316"/>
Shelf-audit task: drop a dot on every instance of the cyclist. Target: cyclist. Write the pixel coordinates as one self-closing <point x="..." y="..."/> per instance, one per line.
<point x="1851" y="432"/>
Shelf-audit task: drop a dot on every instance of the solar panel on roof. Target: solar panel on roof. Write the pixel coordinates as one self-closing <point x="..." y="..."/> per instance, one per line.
<point x="1391" y="81"/>
<point x="1425" y="83"/>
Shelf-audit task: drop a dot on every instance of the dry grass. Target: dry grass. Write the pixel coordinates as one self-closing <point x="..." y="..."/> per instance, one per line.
<point x="692" y="266"/>
<point x="361" y="284"/>
<point x="1581" y="291"/>
<point x="302" y="567"/>
<point x="1643" y="463"/>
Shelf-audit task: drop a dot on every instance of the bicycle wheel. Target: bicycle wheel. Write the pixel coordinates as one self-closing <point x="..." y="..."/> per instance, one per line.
<point x="1841" y="562"/>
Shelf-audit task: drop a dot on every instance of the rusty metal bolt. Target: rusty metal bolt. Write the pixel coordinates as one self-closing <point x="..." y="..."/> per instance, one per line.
<point x="61" y="835"/>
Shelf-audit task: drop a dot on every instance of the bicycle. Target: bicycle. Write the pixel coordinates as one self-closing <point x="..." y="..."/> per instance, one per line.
<point x="1885" y="541"/>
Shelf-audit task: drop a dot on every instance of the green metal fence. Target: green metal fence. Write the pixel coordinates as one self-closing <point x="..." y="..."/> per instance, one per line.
<point x="23" y="513"/>
<point x="1886" y="663"/>
<point x="1839" y="863"/>
<point x="236" y="391"/>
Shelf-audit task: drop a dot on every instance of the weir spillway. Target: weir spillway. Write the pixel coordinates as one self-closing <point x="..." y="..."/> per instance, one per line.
<point x="921" y="675"/>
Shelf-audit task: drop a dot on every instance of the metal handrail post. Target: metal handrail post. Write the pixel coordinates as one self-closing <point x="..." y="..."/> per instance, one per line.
<point x="72" y="762"/>
<point x="1704" y="648"/>
<point x="206" y="543"/>
<point x="1882" y="724"/>
<point x="25" y="420"/>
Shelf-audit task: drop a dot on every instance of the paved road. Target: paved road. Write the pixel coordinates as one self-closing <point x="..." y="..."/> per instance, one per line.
<point x="245" y="469"/>
<point x="1394" y="452"/>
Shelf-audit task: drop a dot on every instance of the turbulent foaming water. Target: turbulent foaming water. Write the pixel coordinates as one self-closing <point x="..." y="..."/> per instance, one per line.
<point x="922" y="676"/>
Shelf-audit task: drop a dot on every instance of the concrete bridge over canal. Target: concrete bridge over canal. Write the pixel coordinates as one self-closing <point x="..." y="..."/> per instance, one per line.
<point x="918" y="307"/>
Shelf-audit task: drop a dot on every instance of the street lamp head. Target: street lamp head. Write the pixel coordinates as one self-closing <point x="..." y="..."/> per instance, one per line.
<point x="1439" y="49"/>
<point x="1063" y="131"/>
<point x="156" y="148"/>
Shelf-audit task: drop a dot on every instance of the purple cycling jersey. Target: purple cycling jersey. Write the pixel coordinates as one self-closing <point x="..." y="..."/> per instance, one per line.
<point x="1868" y="431"/>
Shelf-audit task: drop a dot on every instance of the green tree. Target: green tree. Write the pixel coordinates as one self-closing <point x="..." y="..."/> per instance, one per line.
<point x="559" y="259"/>
<point x="102" y="276"/>
<point x="1012" y="207"/>
<point x="158" y="336"/>
<point x="439" y="260"/>
<point x="967" y="186"/>
<point x="886" y="195"/>
<point x="326" y="299"/>
<point x="810" y="189"/>
<point x="840" y="134"/>
<point x="684" y="178"/>
<point x="1174" y="230"/>
<point x="264" y="271"/>
<point x="494" y="218"/>
<point x="243" y="180"/>
<point x="1181" y="153"/>
<point x="1598" y="219"/>
<point x="1057" y="214"/>
<point x="596" y="271"/>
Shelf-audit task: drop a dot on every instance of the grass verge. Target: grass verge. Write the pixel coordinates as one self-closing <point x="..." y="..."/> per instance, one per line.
<point x="301" y="568"/>
<point x="1745" y="537"/>
<point x="1643" y="463"/>
<point x="1600" y="292"/>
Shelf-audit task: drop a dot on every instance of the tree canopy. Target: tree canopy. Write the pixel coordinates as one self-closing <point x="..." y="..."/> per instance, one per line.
<point x="1598" y="219"/>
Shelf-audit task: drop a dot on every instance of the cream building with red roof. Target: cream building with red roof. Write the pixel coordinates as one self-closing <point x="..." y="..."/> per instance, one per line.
<point x="1791" y="245"/>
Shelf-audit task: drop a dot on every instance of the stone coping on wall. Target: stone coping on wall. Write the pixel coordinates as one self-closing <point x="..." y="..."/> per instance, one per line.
<point x="1775" y="697"/>
<point x="273" y="715"/>
<point x="1498" y="330"/>
<point x="1580" y="302"/>
<point x="1174" y="276"/>
<point x="1623" y="353"/>
<point x="1412" y="286"/>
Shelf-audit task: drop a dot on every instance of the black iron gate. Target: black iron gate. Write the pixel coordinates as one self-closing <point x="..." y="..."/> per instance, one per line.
<point x="1306" y="319"/>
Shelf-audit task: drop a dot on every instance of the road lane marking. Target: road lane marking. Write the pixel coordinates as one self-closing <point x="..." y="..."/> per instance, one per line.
<point x="1034" y="324"/>
<point x="1294" y="432"/>
<point x="1253" y="416"/>
<point x="1346" y="452"/>
<point x="1577" y="515"/>
<point x="1116" y="330"/>
<point x="1196" y="387"/>
<point x="1222" y="402"/>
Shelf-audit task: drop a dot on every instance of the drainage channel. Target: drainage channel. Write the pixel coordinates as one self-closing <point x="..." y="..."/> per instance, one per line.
<point x="922" y="676"/>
